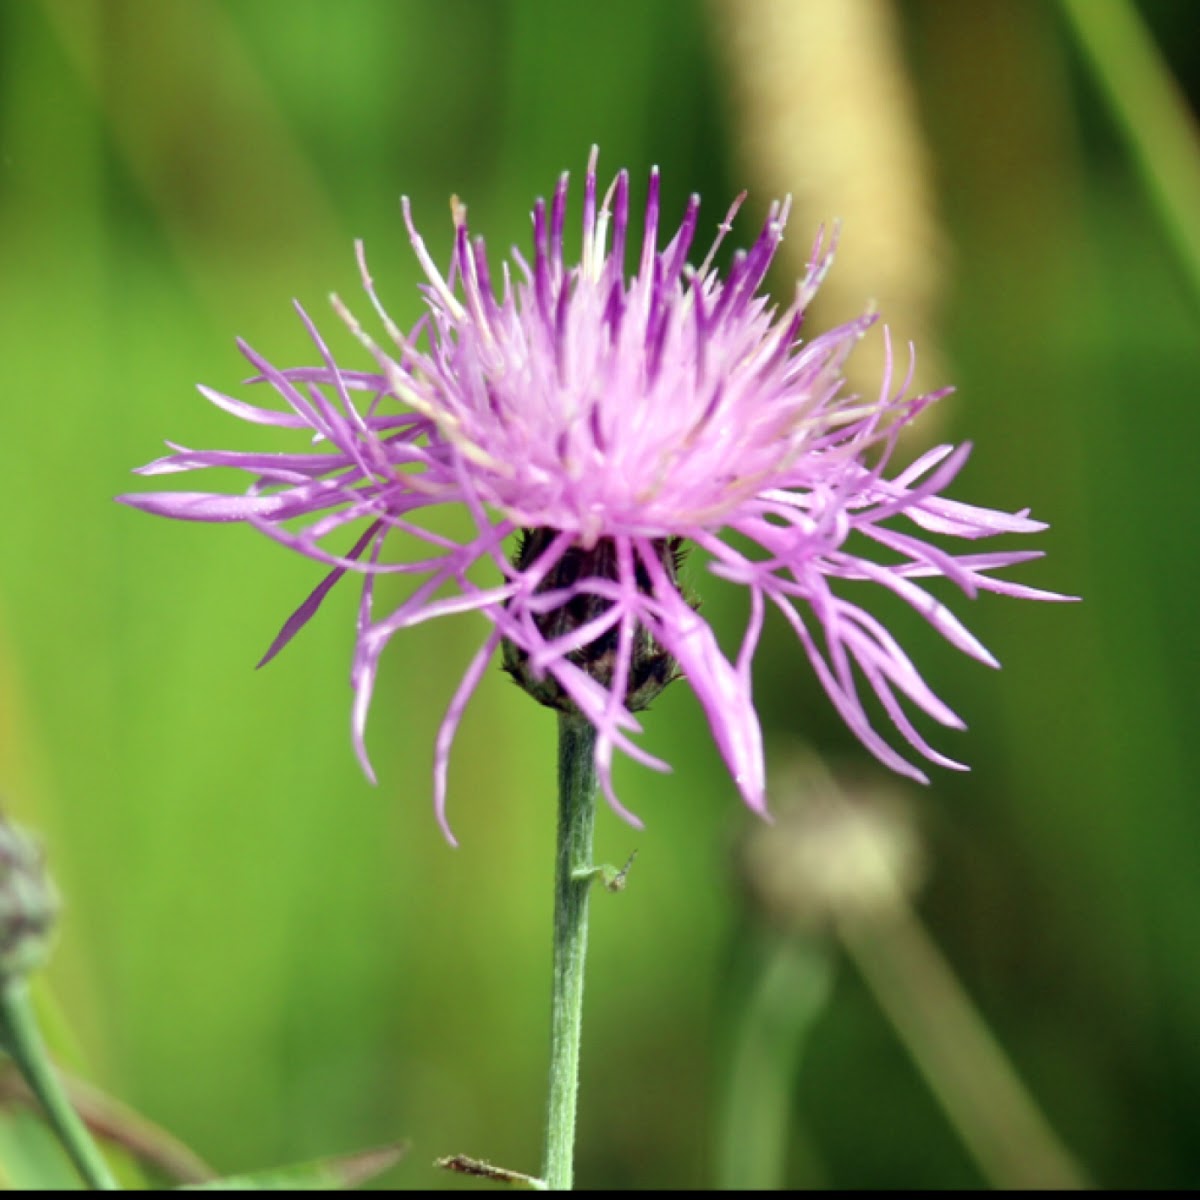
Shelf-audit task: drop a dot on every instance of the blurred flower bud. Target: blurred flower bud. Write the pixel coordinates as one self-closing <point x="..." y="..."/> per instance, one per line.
<point x="835" y="851"/>
<point x="28" y="904"/>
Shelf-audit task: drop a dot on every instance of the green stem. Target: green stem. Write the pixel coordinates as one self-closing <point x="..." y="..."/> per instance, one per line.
<point x="21" y="1038"/>
<point x="755" y="1134"/>
<point x="1152" y="113"/>
<point x="572" y="883"/>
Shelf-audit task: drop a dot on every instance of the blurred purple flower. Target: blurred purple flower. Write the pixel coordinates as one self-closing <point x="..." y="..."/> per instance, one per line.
<point x="606" y="421"/>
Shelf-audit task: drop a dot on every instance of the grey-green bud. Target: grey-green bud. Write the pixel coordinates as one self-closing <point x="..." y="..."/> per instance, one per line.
<point x="28" y="904"/>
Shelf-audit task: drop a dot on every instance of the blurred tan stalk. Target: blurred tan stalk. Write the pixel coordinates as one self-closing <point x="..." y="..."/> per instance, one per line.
<point x="847" y="859"/>
<point x="963" y="1063"/>
<point x="824" y="109"/>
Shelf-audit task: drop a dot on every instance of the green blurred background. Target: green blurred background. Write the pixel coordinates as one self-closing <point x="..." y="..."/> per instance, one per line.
<point x="274" y="959"/>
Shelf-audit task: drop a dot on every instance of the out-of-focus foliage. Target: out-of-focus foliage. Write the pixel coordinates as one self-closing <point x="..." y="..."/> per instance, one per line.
<point x="277" y="961"/>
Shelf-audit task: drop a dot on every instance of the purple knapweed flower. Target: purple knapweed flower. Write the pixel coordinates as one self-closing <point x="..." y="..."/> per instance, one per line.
<point x="606" y="422"/>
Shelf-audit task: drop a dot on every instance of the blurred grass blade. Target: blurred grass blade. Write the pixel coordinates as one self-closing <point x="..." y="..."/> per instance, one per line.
<point x="789" y="995"/>
<point x="267" y="158"/>
<point x="322" y="1175"/>
<point x="1152" y="112"/>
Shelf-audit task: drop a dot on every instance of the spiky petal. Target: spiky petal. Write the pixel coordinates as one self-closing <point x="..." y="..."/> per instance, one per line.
<point x="594" y="409"/>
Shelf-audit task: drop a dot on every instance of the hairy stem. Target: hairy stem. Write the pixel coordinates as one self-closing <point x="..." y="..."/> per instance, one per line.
<point x="572" y="883"/>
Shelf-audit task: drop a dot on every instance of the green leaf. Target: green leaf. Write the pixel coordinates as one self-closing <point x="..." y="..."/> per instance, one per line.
<point x="30" y="1157"/>
<point x="320" y="1175"/>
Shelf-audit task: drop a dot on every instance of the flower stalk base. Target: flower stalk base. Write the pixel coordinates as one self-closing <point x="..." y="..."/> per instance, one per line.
<point x="19" y="1036"/>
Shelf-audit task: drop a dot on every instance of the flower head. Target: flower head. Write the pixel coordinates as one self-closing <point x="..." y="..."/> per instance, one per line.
<point x="607" y="421"/>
